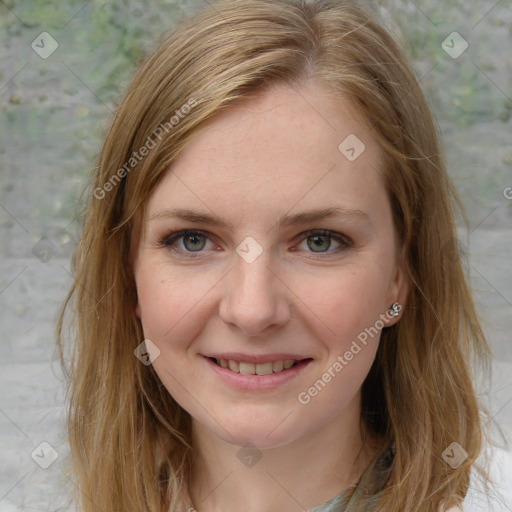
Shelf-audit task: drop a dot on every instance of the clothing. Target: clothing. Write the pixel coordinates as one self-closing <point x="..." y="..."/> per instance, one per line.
<point x="498" y="498"/>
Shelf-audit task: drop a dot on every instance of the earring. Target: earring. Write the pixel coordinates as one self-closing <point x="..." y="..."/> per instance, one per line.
<point x="395" y="309"/>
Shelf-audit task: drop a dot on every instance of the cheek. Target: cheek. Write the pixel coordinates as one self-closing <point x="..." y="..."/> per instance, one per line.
<point x="173" y="311"/>
<point x="344" y="303"/>
<point x="170" y="304"/>
<point x="345" y="310"/>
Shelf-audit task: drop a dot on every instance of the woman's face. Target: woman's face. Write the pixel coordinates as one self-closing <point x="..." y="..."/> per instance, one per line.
<point x="284" y="250"/>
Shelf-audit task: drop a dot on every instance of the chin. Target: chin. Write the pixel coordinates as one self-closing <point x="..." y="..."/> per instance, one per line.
<point x="264" y="435"/>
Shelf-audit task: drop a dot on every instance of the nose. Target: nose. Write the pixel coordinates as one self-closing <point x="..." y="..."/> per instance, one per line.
<point x="255" y="301"/>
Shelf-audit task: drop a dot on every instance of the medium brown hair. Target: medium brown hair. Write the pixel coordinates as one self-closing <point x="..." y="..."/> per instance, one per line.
<point x="130" y="441"/>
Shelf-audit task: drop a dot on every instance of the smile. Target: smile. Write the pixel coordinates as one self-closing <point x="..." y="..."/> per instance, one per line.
<point x="244" y="368"/>
<point x="252" y="372"/>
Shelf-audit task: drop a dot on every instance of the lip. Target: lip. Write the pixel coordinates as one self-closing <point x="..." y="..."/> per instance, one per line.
<point x="257" y="358"/>
<point x="257" y="382"/>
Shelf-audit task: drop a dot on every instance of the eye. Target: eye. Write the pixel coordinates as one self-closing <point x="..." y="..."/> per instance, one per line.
<point x="191" y="241"/>
<point x="320" y="241"/>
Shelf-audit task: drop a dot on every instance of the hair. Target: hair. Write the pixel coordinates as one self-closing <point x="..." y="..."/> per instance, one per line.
<point x="130" y="441"/>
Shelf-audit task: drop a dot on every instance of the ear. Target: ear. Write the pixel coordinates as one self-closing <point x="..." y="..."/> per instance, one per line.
<point x="398" y="290"/>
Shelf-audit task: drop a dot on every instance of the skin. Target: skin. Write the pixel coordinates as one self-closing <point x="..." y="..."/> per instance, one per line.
<point x="275" y="154"/>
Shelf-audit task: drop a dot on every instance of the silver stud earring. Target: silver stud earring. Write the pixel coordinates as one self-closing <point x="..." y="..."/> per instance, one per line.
<point x="395" y="309"/>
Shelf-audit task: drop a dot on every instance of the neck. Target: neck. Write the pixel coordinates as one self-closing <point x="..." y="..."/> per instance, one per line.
<point x="296" y="476"/>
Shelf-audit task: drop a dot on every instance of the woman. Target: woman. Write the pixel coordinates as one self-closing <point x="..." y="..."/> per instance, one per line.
<point x="270" y="308"/>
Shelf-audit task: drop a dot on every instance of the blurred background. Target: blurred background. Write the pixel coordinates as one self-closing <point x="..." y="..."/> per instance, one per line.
<point x="63" y="69"/>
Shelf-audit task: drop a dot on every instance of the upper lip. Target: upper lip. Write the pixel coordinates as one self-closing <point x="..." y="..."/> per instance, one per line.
<point x="257" y="358"/>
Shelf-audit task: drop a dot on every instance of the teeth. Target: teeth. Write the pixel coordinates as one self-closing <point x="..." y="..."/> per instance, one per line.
<point x="247" y="368"/>
<point x="277" y="366"/>
<point x="256" y="369"/>
<point x="234" y="366"/>
<point x="264" y="368"/>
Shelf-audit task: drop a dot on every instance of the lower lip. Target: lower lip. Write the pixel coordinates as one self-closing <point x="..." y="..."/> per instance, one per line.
<point x="257" y="382"/>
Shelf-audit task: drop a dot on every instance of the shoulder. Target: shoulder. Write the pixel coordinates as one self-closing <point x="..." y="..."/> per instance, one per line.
<point x="497" y="497"/>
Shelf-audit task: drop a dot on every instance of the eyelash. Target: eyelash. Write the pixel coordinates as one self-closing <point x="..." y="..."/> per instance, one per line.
<point x="171" y="238"/>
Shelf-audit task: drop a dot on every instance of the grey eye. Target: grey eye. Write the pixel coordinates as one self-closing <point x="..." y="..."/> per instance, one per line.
<point x="194" y="242"/>
<point x="319" y="243"/>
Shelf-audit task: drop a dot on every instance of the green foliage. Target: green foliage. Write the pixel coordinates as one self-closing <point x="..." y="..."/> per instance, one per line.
<point x="50" y="14"/>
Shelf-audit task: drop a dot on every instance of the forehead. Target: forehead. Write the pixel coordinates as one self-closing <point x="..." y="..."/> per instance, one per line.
<point x="288" y="145"/>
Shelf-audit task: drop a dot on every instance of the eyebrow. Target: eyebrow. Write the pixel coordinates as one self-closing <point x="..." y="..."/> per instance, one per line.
<point x="200" y="217"/>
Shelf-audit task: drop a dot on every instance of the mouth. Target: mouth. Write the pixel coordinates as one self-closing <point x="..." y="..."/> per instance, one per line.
<point x="257" y="373"/>
<point x="266" y="368"/>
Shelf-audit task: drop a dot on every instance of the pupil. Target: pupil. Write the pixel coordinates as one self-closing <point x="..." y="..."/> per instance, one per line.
<point x="196" y="241"/>
<point x="320" y="242"/>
